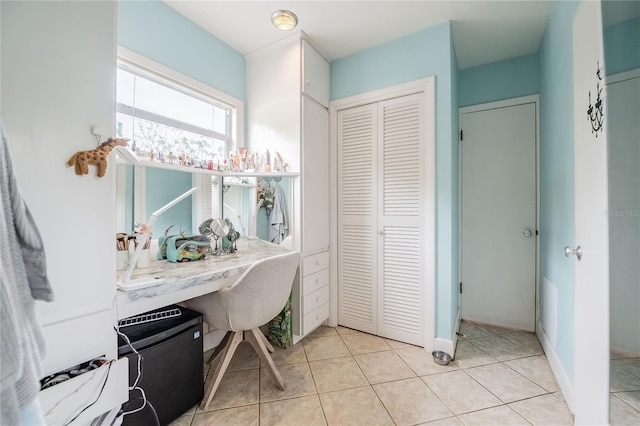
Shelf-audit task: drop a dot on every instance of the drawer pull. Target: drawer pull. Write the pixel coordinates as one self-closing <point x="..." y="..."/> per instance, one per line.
<point x="317" y="262"/>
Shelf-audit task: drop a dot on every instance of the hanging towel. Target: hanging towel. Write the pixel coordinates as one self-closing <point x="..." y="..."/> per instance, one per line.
<point x="23" y="279"/>
<point x="279" y="216"/>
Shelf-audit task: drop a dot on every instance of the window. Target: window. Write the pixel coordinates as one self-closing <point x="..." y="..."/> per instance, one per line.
<point x="167" y="121"/>
<point x="169" y="116"/>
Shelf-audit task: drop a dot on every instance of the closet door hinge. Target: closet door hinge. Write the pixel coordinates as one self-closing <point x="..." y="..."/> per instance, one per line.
<point x="460" y="288"/>
<point x="461" y="135"/>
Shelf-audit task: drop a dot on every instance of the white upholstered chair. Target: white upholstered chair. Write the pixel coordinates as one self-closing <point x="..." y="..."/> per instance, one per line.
<point x="253" y="300"/>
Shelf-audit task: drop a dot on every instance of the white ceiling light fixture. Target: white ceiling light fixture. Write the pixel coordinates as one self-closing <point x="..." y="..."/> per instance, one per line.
<point x="284" y="20"/>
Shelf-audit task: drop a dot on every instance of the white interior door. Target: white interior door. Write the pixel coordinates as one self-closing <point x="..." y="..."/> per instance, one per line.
<point x="498" y="223"/>
<point x="591" y="285"/>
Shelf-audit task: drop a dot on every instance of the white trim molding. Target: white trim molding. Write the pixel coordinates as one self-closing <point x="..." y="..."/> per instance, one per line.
<point x="136" y="60"/>
<point x="426" y="86"/>
<point x="535" y="99"/>
<point x="449" y="345"/>
<point x="556" y="367"/>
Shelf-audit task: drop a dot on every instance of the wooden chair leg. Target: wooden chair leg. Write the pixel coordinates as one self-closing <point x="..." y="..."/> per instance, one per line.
<point x="253" y="336"/>
<point x="213" y="380"/>
<point x="218" y="349"/>
<point x="266" y="342"/>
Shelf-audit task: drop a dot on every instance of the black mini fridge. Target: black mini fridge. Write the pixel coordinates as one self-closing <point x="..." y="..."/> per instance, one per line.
<point x="170" y="343"/>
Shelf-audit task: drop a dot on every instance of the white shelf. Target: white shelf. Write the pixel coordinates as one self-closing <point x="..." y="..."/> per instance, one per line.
<point x="126" y="156"/>
<point x="258" y="174"/>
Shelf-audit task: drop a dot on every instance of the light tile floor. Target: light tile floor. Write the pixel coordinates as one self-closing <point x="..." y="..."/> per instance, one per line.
<point x="339" y="376"/>
<point x="624" y="408"/>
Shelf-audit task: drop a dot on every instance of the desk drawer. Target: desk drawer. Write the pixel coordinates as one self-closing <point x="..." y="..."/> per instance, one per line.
<point x="313" y="282"/>
<point x="314" y="318"/>
<point x="99" y="391"/>
<point x="313" y="300"/>
<point x="314" y="263"/>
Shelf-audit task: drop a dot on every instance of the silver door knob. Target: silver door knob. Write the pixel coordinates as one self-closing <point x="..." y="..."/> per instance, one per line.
<point x="381" y="233"/>
<point x="527" y="233"/>
<point x="577" y="252"/>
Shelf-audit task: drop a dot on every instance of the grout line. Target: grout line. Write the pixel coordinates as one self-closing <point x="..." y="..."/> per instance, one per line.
<point x="371" y="386"/>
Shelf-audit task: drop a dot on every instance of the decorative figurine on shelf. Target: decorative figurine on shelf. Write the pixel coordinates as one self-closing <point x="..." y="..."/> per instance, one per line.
<point x="282" y="165"/>
<point x="185" y="160"/>
<point x="97" y="157"/>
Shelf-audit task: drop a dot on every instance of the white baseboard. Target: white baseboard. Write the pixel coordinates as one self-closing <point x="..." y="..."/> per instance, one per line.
<point x="444" y="345"/>
<point x="556" y="367"/>
<point x="449" y="345"/>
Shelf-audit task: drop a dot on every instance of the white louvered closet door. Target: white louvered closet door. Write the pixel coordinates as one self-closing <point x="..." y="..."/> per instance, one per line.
<point x="357" y="217"/>
<point x="381" y="218"/>
<point x="401" y="219"/>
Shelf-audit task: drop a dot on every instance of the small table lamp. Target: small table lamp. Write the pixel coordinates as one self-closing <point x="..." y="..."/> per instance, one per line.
<point x="125" y="282"/>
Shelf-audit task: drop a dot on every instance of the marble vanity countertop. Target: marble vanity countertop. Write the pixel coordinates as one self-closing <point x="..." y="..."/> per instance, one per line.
<point x="184" y="281"/>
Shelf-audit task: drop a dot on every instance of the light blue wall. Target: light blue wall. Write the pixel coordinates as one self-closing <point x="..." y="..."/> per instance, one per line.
<point x="156" y="31"/>
<point x="622" y="46"/>
<point x="506" y="79"/>
<point x="409" y="58"/>
<point x="424" y="53"/>
<point x="557" y="171"/>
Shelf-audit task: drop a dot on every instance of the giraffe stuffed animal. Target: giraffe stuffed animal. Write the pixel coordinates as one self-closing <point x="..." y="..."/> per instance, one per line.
<point x="97" y="157"/>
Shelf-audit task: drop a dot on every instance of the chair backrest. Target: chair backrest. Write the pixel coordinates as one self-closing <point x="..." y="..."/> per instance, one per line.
<point x="258" y="295"/>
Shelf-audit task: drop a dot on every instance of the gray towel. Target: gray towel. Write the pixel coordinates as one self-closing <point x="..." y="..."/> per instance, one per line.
<point x="23" y="279"/>
<point x="279" y="216"/>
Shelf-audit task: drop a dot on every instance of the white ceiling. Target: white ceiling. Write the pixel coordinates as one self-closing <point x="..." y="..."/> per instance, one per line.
<point x="483" y="31"/>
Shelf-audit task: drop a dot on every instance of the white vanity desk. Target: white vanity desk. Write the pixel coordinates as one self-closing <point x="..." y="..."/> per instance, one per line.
<point x="184" y="281"/>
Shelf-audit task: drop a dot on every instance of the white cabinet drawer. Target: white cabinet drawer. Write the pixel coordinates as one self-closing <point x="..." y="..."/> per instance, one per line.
<point x="313" y="282"/>
<point x="314" y="300"/>
<point x="315" y="263"/>
<point x="98" y="390"/>
<point x="314" y="318"/>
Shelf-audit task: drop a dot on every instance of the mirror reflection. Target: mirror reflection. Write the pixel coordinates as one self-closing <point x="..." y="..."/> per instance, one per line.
<point x="255" y="207"/>
<point x="258" y="207"/>
<point x="142" y="190"/>
<point x="621" y="23"/>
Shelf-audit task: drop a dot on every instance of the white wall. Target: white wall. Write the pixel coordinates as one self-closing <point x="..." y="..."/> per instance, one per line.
<point x="58" y="80"/>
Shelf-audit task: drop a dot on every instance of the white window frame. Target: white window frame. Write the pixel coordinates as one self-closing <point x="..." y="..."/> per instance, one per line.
<point x="138" y="62"/>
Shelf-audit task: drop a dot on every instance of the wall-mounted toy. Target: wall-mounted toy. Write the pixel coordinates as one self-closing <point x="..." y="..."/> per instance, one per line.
<point x="97" y="157"/>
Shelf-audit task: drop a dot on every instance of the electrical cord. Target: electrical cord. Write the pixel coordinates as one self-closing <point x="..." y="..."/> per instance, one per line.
<point x="104" y="383"/>
<point x="148" y="404"/>
<point x="134" y="386"/>
<point x="126" y="339"/>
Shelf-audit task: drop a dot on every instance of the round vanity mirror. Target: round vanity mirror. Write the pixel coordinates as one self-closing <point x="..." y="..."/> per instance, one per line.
<point x="219" y="227"/>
